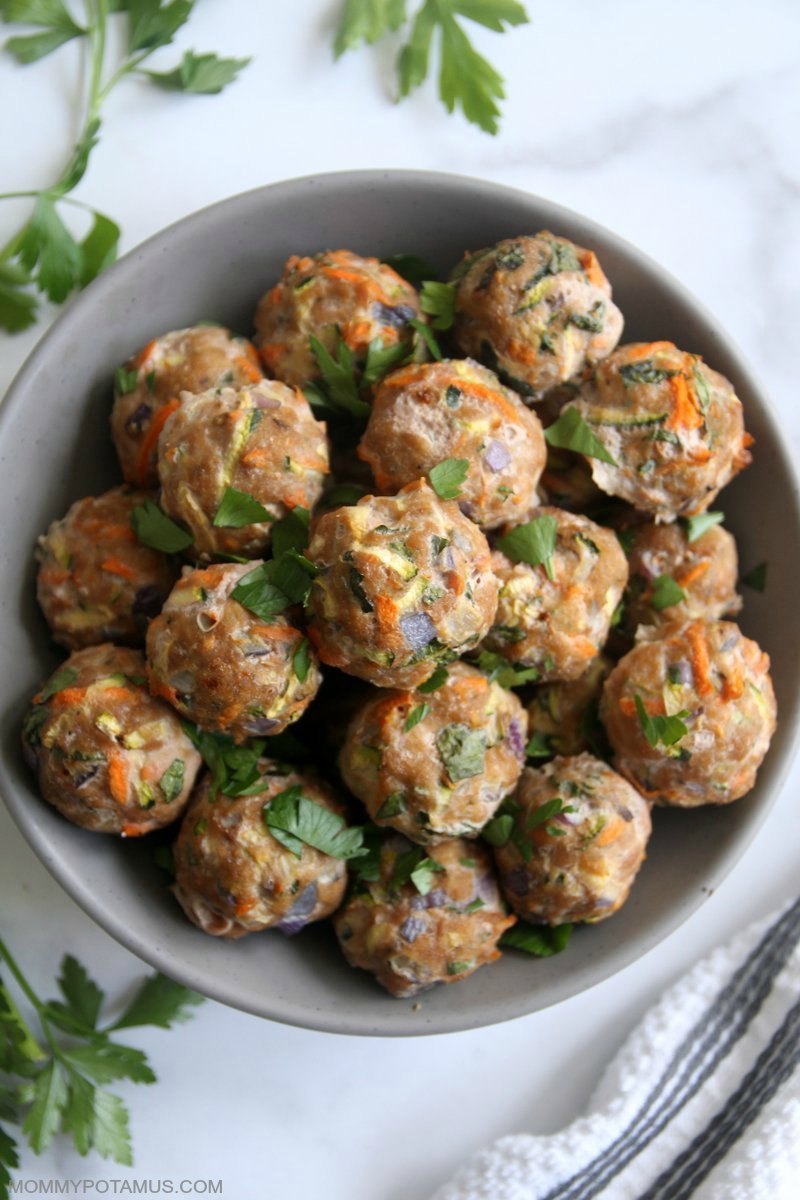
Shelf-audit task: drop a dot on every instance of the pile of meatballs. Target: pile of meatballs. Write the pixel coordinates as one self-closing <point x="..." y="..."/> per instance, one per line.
<point x="494" y="597"/>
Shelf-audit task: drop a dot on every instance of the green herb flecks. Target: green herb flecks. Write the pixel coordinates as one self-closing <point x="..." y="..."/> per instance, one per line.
<point x="666" y="592"/>
<point x="301" y="660"/>
<point x="701" y="523"/>
<point x="533" y="543"/>
<point x="45" y="257"/>
<point x="645" y="371"/>
<point x="296" y="821"/>
<point x="571" y="432"/>
<point x="462" y="750"/>
<point x="155" y="529"/>
<point x="501" y="671"/>
<point x="417" y="714"/>
<point x="171" y="782"/>
<point x="434" y="681"/>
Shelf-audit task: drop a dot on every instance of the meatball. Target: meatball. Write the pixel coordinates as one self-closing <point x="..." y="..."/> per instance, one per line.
<point x="536" y="310"/>
<point x="579" y="837"/>
<point x="263" y="440"/>
<point x="564" y="715"/>
<point x="566" y="482"/>
<point x="414" y="922"/>
<point x="96" y="582"/>
<point x="705" y="571"/>
<point x="555" y="616"/>
<point x="148" y="388"/>
<point x="436" y="765"/>
<point x="232" y="877"/>
<point x="222" y="666"/>
<point x="402" y="583"/>
<point x="429" y="412"/>
<point x="336" y="293"/>
<point x="673" y="427"/>
<point x="108" y="755"/>
<point x="690" y="715"/>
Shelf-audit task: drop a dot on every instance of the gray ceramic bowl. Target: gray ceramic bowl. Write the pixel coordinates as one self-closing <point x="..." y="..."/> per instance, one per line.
<point x="54" y="447"/>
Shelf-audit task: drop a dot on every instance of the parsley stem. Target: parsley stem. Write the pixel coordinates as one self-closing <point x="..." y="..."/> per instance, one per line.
<point x="24" y="986"/>
<point x="98" y="12"/>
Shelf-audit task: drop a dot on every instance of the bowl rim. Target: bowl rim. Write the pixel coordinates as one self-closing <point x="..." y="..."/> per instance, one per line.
<point x="343" y="1022"/>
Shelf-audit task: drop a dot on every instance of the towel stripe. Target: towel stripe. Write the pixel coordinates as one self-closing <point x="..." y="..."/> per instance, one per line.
<point x="772" y="1068"/>
<point x="710" y="1040"/>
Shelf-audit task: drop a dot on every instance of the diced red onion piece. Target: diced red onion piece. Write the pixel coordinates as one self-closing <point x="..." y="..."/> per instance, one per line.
<point x="418" y="629"/>
<point x="497" y="457"/>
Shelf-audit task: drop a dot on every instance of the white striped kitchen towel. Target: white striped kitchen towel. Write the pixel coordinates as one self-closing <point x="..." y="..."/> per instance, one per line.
<point x="703" y="1100"/>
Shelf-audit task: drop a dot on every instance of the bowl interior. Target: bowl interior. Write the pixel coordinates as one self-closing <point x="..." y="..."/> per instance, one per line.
<point x="55" y="447"/>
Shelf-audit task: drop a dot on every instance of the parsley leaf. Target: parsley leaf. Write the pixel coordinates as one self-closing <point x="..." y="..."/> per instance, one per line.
<point x="666" y="730"/>
<point x="428" y="337"/>
<point x="203" y="74"/>
<point x="291" y="532"/>
<point x="239" y="509"/>
<point x="367" y="21"/>
<point x="698" y="525"/>
<point x="155" y="529"/>
<point x="51" y="15"/>
<point x="301" y="660"/>
<point x="501" y="671"/>
<point x="234" y="769"/>
<point x="541" y="941"/>
<point x="171" y="782"/>
<point x="273" y="586"/>
<point x="411" y="267"/>
<point x="82" y="996"/>
<point x="338" y="374"/>
<point x="533" y="543"/>
<point x="666" y="592"/>
<point x="63" y="678"/>
<point x="438" y="300"/>
<point x="538" y="746"/>
<point x="462" y="750"/>
<point x="160" y="1001"/>
<point x="294" y="820"/>
<point x="150" y="25"/>
<point x="447" y="477"/>
<point x="498" y="830"/>
<point x="756" y="578"/>
<point x="571" y="432"/>
<point x="46" y="241"/>
<point x="17" y="307"/>
<point x="417" y="714"/>
<point x="434" y="681"/>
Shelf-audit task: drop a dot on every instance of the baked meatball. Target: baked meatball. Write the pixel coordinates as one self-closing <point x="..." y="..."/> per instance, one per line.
<point x="108" y="755"/>
<point x="411" y="935"/>
<point x="222" y="666"/>
<point x="263" y="440"/>
<point x="402" y="583"/>
<point x="429" y="412"/>
<point x="705" y="571"/>
<point x="536" y="310"/>
<point x="559" y="624"/>
<point x="232" y="877"/>
<point x="327" y="295"/>
<point x="579" y="837"/>
<point x="673" y="427"/>
<point x="436" y="765"/>
<point x="148" y="388"/>
<point x="96" y="582"/>
<point x="714" y="683"/>
<point x="564" y="715"/>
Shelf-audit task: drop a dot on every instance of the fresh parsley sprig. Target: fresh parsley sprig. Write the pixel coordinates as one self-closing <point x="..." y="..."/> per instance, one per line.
<point x="466" y="80"/>
<point x="44" y="256"/>
<point x="51" y="1084"/>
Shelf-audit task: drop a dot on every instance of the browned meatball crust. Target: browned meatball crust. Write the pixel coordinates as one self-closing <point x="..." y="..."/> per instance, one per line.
<point x="673" y="427"/>
<point x="222" y="666"/>
<point x="411" y="939"/>
<point x="705" y="571"/>
<point x="579" y="837"/>
<point x="559" y="624"/>
<point x="402" y="582"/>
<point x="336" y="293"/>
<point x="148" y="388"/>
<point x="429" y="412"/>
<point x="262" y="440"/>
<point x="536" y="310"/>
<point x="715" y="682"/>
<point x="232" y="877"/>
<point x="436" y="765"/>
<point x="96" y="582"/>
<point x="108" y="755"/>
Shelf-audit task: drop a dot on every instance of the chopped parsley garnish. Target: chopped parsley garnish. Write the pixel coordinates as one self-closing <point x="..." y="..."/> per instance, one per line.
<point x="234" y="769"/>
<point x="291" y="532"/>
<point x="498" y="830"/>
<point x="458" y="968"/>
<point x="541" y="941"/>
<point x="273" y="586"/>
<point x="339" y="388"/>
<point x="447" y="477"/>
<point x="462" y="750"/>
<point x="381" y="360"/>
<point x="238" y="509"/>
<point x="301" y="660"/>
<point x="57" y="683"/>
<point x="393" y="806"/>
<point x="417" y="714"/>
<point x="434" y="681"/>
<point x="698" y="525"/>
<point x="155" y="529"/>
<point x="539" y="746"/>
<point x="437" y="300"/>
<point x="666" y="592"/>
<point x="125" y="381"/>
<point x="415" y="867"/>
<point x="501" y="671"/>
<point x="757" y="578"/>
<point x="294" y="820"/>
<point x="645" y="371"/>
<point x="171" y="782"/>
<point x="411" y="267"/>
<point x="591" y="322"/>
<point x="533" y="543"/>
<point x="571" y="432"/>
<point x="344" y="495"/>
<point x="474" y="905"/>
<point x="666" y="730"/>
<point x="428" y="337"/>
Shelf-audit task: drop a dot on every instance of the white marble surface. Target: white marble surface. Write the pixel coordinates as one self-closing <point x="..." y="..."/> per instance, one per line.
<point x="675" y="126"/>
